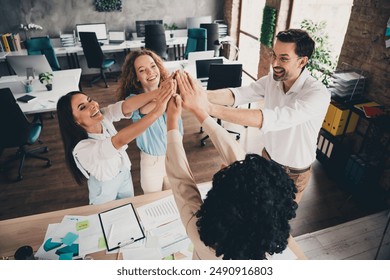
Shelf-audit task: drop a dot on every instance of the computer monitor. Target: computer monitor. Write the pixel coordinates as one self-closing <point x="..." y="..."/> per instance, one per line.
<point x="20" y="63"/>
<point x="140" y="26"/>
<point x="224" y="76"/>
<point x="203" y="66"/>
<point x="194" y="22"/>
<point x="99" y="28"/>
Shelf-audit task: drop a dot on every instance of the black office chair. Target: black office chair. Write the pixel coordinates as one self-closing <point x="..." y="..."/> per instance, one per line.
<point x="95" y="57"/>
<point x="155" y="40"/>
<point x="212" y="36"/>
<point x="223" y="76"/>
<point x="18" y="132"/>
<point x="42" y="45"/>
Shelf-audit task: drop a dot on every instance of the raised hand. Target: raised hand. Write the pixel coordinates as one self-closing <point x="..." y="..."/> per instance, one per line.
<point x="174" y="112"/>
<point x="165" y="94"/>
<point x="193" y="96"/>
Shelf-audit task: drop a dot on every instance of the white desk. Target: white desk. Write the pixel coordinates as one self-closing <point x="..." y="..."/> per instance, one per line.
<point x="107" y="48"/>
<point x="64" y="81"/>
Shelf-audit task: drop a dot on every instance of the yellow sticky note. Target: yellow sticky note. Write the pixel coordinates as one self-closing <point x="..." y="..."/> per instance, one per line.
<point x="82" y="225"/>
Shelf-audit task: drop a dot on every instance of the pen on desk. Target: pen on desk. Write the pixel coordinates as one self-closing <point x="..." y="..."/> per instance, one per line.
<point x="125" y="243"/>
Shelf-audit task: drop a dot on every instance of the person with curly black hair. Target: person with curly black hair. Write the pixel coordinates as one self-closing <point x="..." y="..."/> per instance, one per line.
<point x="247" y="211"/>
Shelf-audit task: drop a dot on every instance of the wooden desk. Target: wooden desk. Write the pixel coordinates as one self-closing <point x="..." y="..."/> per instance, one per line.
<point x="31" y="230"/>
<point x="64" y="81"/>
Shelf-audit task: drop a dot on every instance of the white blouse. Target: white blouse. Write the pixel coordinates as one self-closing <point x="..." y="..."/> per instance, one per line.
<point x="96" y="156"/>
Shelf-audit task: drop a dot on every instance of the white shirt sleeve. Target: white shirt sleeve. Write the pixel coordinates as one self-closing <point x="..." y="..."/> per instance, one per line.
<point x="251" y="93"/>
<point x="114" y="113"/>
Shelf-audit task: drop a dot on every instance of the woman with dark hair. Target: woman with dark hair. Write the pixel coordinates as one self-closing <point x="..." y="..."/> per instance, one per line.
<point x="246" y="212"/>
<point x="143" y="71"/>
<point x="94" y="150"/>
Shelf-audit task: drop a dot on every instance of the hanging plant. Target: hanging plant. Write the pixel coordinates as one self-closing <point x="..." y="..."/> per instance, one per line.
<point x="108" y="5"/>
<point x="268" y="26"/>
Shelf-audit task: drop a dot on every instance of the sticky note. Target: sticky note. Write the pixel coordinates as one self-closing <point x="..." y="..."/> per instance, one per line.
<point x="73" y="249"/>
<point x="69" y="238"/>
<point x="170" y="257"/>
<point x="49" y="245"/>
<point x="66" y="256"/>
<point x="102" y="243"/>
<point x="82" y="225"/>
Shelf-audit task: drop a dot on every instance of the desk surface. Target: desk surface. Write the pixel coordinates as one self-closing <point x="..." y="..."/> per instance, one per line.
<point x="31" y="230"/>
<point x="64" y="81"/>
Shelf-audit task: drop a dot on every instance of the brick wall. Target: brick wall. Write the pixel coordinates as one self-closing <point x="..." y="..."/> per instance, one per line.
<point x="364" y="46"/>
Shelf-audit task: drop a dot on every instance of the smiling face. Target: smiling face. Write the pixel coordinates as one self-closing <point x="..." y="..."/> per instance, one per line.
<point x="286" y="64"/>
<point x="86" y="113"/>
<point x="147" y="72"/>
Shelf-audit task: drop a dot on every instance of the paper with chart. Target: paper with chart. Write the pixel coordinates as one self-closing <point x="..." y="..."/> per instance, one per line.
<point x="158" y="213"/>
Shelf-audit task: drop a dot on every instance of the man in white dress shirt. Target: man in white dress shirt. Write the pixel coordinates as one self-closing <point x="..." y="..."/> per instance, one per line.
<point x="295" y="105"/>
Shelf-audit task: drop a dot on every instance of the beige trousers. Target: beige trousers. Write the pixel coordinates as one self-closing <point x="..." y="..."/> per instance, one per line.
<point x="301" y="180"/>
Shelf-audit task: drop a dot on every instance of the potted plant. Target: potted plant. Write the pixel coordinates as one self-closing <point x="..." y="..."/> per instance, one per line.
<point x="47" y="78"/>
<point x="170" y="27"/>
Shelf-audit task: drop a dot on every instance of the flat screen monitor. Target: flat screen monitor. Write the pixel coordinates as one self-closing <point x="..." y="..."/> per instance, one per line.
<point x="99" y="28"/>
<point x="140" y="26"/>
<point x="194" y="22"/>
<point x="203" y="66"/>
<point x="224" y="76"/>
<point x="20" y="63"/>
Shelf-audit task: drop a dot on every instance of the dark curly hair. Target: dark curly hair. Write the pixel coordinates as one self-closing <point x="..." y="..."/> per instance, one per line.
<point x="128" y="80"/>
<point x="247" y="211"/>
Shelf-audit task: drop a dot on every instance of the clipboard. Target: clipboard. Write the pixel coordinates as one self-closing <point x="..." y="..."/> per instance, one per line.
<point x="120" y="226"/>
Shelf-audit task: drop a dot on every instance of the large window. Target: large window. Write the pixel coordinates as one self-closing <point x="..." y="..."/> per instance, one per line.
<point x="335" y="13"/>
<point x="249" y="34"/>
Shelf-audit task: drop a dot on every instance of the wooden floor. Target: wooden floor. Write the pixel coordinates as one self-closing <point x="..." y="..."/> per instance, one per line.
<point x="43" y="189"/>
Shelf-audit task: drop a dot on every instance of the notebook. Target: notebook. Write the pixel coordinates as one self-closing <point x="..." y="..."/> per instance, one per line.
<point x="25" y="98"/>
<point x="203" y="67"/>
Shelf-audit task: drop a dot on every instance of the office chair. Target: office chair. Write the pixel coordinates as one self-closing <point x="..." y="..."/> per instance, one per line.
<point x="212" y="36"/>
<point x="95" y="57"/>
<point x="155" y="40"/>
<point x="42" y="45"/>
<point x="223" y="76"/>
<point x="18" y="131"/>
<point x="197" y="41"/>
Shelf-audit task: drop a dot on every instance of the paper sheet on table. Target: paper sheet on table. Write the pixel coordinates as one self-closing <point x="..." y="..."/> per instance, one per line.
<point x="141" y="253"/>
<point x="91" y="237"/>
<point x="172" y="237"/>
<point x="159" y="212"/>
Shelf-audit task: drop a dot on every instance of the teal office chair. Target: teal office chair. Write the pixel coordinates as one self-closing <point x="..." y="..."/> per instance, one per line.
<point x="19" y="132"/>
<point x="197" y="40"/>
<point x="42" y="45"/>
<point x="95" y="57"/>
